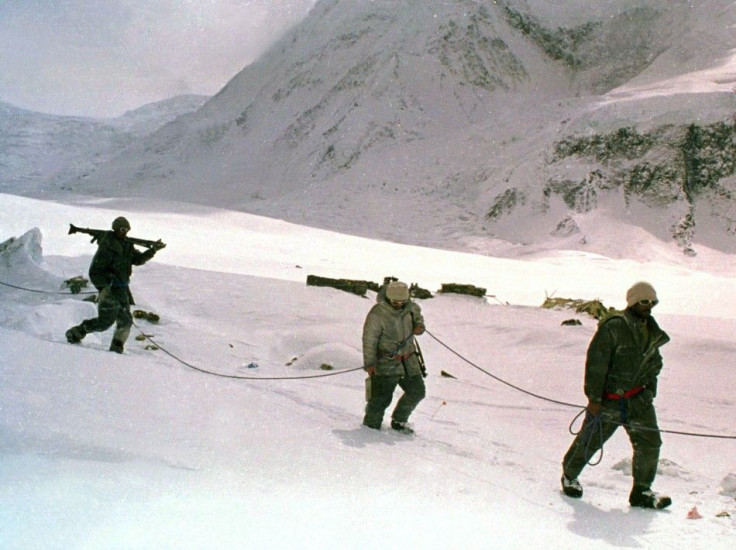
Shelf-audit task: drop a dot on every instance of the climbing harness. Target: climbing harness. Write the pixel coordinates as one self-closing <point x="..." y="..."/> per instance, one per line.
<point x="623" y="401"/>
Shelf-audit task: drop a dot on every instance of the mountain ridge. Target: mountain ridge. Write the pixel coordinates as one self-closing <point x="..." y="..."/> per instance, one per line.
<point x="40" y="151"/>
<point x="439" y="112"/>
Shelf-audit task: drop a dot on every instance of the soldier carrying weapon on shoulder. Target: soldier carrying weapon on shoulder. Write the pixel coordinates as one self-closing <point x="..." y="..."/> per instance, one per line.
<point x="110" y="271"/>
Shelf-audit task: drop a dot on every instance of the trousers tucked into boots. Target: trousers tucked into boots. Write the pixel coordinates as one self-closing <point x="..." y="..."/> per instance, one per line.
<point x="641" y="427"/>
<point x="382" y="391"/>
<point x="113" y="306"/>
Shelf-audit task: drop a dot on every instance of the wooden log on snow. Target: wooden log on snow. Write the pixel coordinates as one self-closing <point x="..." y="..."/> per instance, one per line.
<point x="348" y="285"/>
<point x="470" y="290"/>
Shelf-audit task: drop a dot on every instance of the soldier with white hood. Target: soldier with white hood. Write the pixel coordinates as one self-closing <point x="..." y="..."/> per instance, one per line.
<point x="390" y="357"/>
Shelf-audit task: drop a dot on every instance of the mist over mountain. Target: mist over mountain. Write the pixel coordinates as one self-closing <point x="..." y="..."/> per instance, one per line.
<point x="40" y="152"/>
<point x="458" y="122"/>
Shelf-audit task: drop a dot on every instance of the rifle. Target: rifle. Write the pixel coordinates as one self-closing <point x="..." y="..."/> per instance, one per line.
<point x="418" y="352"/>
<point x="97" y="234"/>
<point x="420" y="356"/>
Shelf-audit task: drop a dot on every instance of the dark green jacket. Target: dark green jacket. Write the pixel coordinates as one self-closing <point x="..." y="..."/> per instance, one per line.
<point x="113" y="262"/>
<point x="384" y="331"/>
<point x="619" y="359"/>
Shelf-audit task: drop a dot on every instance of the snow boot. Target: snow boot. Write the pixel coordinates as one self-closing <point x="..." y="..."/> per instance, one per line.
<point x="571" y="487"/>
<point x="644" y="497"/>
<point x="401" y="427"/>
<point x="75" y="334"/>
<point x="116" y="346"/>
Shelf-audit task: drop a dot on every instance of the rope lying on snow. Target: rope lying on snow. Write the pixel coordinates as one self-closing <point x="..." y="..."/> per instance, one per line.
<point x="185" y="363"/>
<point x="501" y="380"/>
<point x="240" y="377"/>
<point x="44" y="291"/>
<point x="543" y="398"/>
<point x="345" y="371"/>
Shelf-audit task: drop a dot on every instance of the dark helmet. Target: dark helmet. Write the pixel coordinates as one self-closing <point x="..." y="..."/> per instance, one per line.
<point x="120" y="222"/>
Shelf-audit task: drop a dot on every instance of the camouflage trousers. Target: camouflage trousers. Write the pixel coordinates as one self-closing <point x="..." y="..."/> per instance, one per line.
<point x="382" y="392"/>
<point x="113" y="306"/>
<point x="640" y="425"/>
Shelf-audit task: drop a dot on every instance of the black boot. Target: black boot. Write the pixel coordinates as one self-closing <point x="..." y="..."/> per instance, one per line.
<point x="75" y="334"/>
<point x="116" y="346"/>
<point x="571" y="487"/>
<point x="401" y="427"/>
<point x="644" y="497"/>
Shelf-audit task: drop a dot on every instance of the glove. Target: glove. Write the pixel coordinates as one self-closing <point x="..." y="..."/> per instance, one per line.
<point x="594" y="408"/>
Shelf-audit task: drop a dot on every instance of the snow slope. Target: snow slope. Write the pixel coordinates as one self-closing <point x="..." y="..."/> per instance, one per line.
<point x="141" y="451"/>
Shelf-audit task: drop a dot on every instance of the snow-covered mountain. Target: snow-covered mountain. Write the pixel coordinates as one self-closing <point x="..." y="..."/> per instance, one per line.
<point x="459" y="121"/>
<point x="452" y="124"/>
<point x="142" y="451"/>
<point x="40" y="150"/>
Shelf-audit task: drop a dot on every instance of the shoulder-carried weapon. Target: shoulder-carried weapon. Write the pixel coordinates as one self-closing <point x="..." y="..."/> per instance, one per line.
<point x="97" y="234"/>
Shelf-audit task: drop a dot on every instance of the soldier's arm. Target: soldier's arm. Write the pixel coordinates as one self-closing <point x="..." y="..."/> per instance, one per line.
<point x="417" y="319"/>
<point x="99" y="271"/>
<point x="371" y="334"/>
<point x="139" y="258"/>
<point x="656" y="368"/>
<point x="597" y="362"/>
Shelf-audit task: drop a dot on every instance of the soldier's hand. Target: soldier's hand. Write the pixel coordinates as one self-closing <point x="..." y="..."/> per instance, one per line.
<point x="371" y="370"/>
<point x="418" y="330"/>
<point x="593" y="408"/>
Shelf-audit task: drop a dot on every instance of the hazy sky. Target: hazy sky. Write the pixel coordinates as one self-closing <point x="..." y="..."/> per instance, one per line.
<point x="104" y="57"/>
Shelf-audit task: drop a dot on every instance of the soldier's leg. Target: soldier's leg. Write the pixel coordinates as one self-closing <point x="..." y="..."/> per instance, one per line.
<point x="108" y="307"/>
<point x="382" y="392"/>
<point x="646" y="441"/>
<point x="594" y="433"/>
<point x="122" y="330"/>
<point x="414" y="392"/>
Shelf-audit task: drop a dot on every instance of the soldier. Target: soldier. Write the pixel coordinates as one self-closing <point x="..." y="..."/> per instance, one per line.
<point x="621" y="370"/>
<point x="110" y="272"/>
<point x="389" y="357"/>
